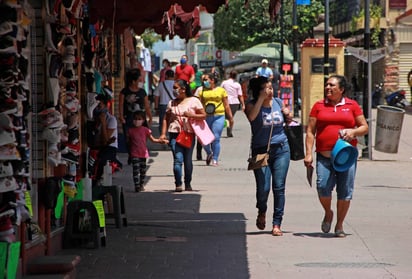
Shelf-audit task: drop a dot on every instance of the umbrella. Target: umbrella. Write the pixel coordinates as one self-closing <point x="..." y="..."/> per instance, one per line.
<point x="270" y="51"/>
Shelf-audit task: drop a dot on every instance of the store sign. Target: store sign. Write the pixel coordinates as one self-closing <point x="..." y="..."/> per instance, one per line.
<point x="317" y="65"/>
<point x="393" y="4"/>
<point x="207" y="64"/>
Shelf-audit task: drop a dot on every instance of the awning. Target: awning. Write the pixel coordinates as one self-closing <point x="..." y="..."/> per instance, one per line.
<point x="178" y="17"/>
<point x="166" y="17"/>
<point x="405" y="18"/>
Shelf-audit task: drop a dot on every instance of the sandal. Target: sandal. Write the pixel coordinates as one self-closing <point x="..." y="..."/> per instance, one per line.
<point x="325" y="226"/>
<point x="276" y="231"/>
<point x="261" y="221"/>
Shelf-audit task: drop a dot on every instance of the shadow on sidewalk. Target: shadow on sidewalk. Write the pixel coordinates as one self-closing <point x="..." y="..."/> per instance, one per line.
<point x="167" y="237"/>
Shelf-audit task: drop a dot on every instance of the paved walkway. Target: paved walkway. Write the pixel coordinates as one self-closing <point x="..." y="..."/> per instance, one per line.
<point x="211" y="232"/>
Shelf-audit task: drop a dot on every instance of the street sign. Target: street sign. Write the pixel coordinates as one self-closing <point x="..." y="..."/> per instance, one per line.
<point x="362" y="54"/>
<point x="207" y="64"/>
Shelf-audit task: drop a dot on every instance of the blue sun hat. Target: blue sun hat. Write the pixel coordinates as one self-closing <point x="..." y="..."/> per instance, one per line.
<point x="344" y="155"/>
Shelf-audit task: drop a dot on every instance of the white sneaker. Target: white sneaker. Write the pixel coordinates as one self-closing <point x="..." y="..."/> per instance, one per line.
<point x="8" y="184"/>
<point x="52" y="135"/>
<point x="9" y="152"/>
<point x="7" y="137"/>
<point x="6" y="169"/>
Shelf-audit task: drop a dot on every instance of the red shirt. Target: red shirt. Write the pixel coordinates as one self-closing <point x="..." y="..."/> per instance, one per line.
<point x="330" y="119"/>
<point x="184" y="72"/>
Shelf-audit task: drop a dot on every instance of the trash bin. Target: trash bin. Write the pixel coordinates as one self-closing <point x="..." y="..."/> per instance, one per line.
<point x="388" y="128"/>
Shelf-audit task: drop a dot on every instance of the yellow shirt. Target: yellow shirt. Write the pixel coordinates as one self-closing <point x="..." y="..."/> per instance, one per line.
<point x="214" y="96"/>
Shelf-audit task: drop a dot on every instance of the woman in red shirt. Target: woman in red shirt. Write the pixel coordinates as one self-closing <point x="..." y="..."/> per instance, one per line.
<point x="327" y="118"/>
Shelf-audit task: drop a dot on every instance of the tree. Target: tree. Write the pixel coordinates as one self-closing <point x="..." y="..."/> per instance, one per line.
<point x="238" y="27"/>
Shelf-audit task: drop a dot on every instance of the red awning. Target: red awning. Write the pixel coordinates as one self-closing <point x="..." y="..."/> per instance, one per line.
<point x="168" y="18"/>
<point x="405" y="18"/>
<point x="178" y="17"/>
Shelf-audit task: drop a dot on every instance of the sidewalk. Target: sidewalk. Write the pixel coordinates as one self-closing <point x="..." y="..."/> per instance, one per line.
<point x="211" y="232"/>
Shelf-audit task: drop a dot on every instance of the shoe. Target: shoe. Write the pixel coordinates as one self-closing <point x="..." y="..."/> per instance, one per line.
<point x="209" y="158"/>
<point x="51" y="135"/>
<point x="141" y="188"/>
<point x="215" y="164"/>
<point x="137" y="188"/>
<point x="261" y="221"/>
<point x="179" y="189"/>
<point x="325" y="226"/>
<point x="340" y="233"/>
<point x="276" y="231"/>
<point x="8" y="184"/>
<point x="188" y="188"/>
<point x="7" y="137"/>
<point x="70" y="157"/>
<point x="9" y="152"/>
<point x="6" y="169"/>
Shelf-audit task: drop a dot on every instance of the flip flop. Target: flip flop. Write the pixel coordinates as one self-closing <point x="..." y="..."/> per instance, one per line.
<point x="277" y="231"/>
<point x="340" y="233"/>
<point x="325" y="226"/>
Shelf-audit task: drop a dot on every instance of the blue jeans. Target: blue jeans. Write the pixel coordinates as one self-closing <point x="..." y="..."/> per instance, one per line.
<point x="273" y="175"/>
<point x="327" y="178"/>
<point x="216" y="123"/>
<point x="181" y="156"/>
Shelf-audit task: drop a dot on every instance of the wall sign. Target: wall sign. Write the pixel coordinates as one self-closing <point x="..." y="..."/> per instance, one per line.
<point x="317" y="65"/>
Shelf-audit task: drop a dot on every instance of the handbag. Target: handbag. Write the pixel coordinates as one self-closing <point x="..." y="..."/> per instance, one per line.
<point x="184" y="138"/>
<point x="295" y="138"/>
<point x="294" y="133"/>
<point x="259" y="160"/>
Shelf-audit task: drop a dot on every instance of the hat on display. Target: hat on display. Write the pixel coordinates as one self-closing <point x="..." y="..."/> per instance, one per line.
<point x="343" y="156"/>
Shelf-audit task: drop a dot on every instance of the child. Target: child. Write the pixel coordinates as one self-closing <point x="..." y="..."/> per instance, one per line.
<point x="136" y="139"/>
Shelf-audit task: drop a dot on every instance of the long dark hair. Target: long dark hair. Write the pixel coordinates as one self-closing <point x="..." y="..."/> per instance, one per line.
<point x="256" y="85"/>
<point x="184" y="84"/>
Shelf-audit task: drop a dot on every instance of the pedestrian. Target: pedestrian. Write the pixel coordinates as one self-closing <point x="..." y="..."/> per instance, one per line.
<point x="410" y="80"/>
<point x="178" y="114"/>
<point x="106" y="136"/>
<point x="137" y="136"/>
<point x="166" y="66"/>
<point x="163" y="94"/>
<point x="235" y="98"/>
<point x="198" y="77"/>
<point x="199" y="146"/>
<point x="133" y="98"/>
<point x="215" y="101"/>
<point x="266" y="116"/>
<point x="264" y="70"/>
<point x="327" y="118"/>
<point x="184" y="70"/>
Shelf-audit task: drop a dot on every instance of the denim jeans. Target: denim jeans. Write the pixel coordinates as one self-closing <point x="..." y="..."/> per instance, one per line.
<point x="273" y="175"/>
<point x="216" y="123"/>
<point x="327" y="178"/>
<point x="181" y="156"/>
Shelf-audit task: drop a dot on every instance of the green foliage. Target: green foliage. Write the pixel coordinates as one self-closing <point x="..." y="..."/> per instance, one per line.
<point x="238" y="27"/>
<point x="150" y="37"/>
<point x="375" y="12"/>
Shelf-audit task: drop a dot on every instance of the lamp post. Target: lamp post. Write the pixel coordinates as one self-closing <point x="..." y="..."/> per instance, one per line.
<point x="295" y="58"/>
<point x="326" y="42"/>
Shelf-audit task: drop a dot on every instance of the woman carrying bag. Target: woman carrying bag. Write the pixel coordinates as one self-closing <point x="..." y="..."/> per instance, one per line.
<point x="266" y="118"/>
<point x="179" y="112"/>
<point x="216" y="104"/>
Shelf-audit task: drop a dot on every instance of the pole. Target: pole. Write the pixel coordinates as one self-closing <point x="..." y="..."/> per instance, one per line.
<point x="326" y="42"/>
<point x="295" y="62"/>
<point x="367" y="86"/>
<point x="282" y="36"/>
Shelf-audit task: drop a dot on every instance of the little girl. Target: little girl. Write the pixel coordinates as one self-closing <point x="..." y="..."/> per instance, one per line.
<point x="136" y="139"/>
